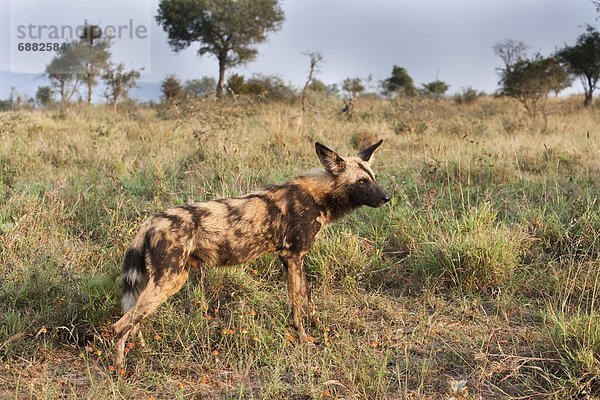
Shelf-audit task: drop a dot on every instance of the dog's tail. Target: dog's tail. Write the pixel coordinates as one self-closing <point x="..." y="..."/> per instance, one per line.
<point x="134" y="277"/>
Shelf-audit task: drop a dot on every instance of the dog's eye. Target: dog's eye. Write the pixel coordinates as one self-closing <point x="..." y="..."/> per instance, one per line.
<point x="363" y="181"/>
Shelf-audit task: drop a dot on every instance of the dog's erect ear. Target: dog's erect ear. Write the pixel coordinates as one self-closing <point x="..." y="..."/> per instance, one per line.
<point x="366" y="154"/>
<point x="330" y="159"/>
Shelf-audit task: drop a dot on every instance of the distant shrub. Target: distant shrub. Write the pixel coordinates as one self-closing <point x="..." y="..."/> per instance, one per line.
<point x="266" y="87"/>
<point x="467" y="95"/>
<point x="200" y="87"/>
<point x="235" y="84"/>
<point x="317" y="86"/>
<point x="44" y="96"/>
<point x="171" y="88"/>
<point x="435" y="89"/>
<point x="5" y="105"/>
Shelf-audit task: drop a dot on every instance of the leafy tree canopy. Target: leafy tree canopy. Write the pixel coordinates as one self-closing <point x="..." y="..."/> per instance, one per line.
<point x="531" y="80"/>
<point x="353" y="86"/>
<point x="400" y="81"/>
<point x="226" y="29"/>
<point x="510" y="52"/>
<point x="583" y="60"/>
<point x="435" y="89"/>
<point x="119" y="82"/>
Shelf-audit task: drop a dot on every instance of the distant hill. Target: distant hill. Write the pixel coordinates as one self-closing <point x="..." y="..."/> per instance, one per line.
<point x="27" y="84"/>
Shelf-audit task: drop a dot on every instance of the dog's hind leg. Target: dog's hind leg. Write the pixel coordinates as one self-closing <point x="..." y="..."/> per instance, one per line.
<point x="149" y="300"/>
<point x="137" y="332"/>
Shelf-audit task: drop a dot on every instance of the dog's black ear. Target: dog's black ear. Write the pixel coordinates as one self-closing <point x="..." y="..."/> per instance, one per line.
<point x="330" y="159"/>
<point x="366" y="154"/>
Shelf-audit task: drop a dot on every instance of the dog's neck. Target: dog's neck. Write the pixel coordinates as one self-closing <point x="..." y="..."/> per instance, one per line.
<point x="332" y="200"/>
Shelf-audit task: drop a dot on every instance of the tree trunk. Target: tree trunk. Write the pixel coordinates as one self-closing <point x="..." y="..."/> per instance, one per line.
<point x="588" y="90"/>
<point x="303" y="98"/>
<point x="90" y="78"/>
<point x="588" y="98"/>
<point x="63" y="93"/>
<point x="221" y="82"/>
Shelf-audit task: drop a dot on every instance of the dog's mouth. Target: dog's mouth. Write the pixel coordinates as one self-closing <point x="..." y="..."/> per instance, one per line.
<point x="384" y="200"/>
<point x="381" y="202"/>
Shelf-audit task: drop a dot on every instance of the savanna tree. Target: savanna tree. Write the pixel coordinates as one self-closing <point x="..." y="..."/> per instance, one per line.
<point x="353" y="87"/>
<point x="400" y="82"/>
<point x="227" y="29"/>
<point x="316" y="58"/>
<point x="64" y="71"/>
<point x="583" y="60"/>
<point x="118" y="83"/>
<point x="510" y="52"/>
<point x="79" y="61"/>
<point x="531" y="80"/>
<point x="93" y="56"/>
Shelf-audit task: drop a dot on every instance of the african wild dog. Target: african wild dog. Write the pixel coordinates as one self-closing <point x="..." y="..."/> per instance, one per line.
<point x="284" y="218"/>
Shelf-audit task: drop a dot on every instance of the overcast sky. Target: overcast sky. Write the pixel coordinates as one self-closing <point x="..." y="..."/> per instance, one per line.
<point x="450" y="40"/>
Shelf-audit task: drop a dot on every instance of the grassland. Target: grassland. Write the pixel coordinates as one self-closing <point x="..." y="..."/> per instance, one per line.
<point x="485" y="266"/>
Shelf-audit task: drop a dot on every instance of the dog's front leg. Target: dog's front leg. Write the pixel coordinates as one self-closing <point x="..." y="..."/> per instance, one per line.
<point x="298" y="291"/>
